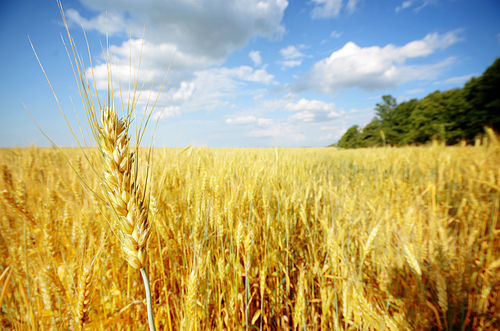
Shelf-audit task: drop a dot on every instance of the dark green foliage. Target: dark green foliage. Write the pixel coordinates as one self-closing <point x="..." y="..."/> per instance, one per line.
<point x="398" y="129"/>
<point x="448" y="116"/>
<point x="350" y="138"/>
<point x="386" y="109"/>
<point x="482" y="97"/>
<point x="370" y="137"/>
<point x="435" y="117"/>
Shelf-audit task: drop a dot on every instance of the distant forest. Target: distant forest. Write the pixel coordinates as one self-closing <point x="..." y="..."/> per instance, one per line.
<point x="449" y="116"/>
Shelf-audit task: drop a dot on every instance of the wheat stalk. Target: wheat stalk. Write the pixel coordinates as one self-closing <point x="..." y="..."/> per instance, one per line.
<point x="124" y="195"/>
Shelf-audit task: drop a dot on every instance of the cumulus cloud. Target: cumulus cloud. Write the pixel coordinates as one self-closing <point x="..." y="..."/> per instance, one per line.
<point x="291" y="52"/>
<point x="242" y="120"/>
<point x="195" y="27"/>
<point x="211" y="89"/>
<point x="292" y="56"/>
<point x="312" y="111"/>
<point x="112" y="22"/>
<point x="256" y="58"/>
<point x="375" y="67"/>
<point x="200" y="34"/>
<point x="154" y="59"/>
<point x="166" y="112"/>
<point x="192" y="89"/>
<point x="314" y="105"/>
<point x="249" y="119"/>
<point x="185" y="91"/>
<point x="331" y="8"/>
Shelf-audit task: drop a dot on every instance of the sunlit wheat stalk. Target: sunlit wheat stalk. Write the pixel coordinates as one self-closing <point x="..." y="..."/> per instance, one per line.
<point x="122" y="192"/>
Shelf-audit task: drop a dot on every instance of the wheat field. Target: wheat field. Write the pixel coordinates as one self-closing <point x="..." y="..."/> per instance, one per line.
<point x="267" y="239"/>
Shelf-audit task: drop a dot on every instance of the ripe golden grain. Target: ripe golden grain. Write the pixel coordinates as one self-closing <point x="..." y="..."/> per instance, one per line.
<point x="367" y="225"/>
<point x="123" y="191"/>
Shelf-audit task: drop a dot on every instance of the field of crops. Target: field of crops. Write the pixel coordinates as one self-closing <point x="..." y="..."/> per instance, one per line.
<point x="270" y="239"/>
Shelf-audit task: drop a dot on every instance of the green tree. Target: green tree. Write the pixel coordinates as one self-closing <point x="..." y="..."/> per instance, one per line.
<point x="449" y="116"/>
<point x="482" y="97"/>
<point x="385" y="109"/>
<point x="350" y="138"/>
<point x="435" y="117"/>
<point x="400" y="125"/>
<point x="371" y="137"/>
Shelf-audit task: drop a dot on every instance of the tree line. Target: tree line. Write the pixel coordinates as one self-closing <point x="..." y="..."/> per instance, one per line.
<point x="449" y="116"/>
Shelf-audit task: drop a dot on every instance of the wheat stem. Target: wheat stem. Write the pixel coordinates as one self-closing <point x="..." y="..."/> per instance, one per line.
<point x="149" y="304"/>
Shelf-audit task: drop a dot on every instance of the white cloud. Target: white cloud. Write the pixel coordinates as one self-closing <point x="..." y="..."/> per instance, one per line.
<point x="292" y="56"/>
<point x="404" y="5"/>
<point x="185" y="91"/>
<point x="276" y="103"/>
<point x="265" y="121"/>
<point x="314" y="105"/>
<point x="211" y="90"/>
<point x="110" y="22"/>
<point x="250" y="119"/>
<point x="241" y="120"/>
<point x="336" y="34"/>
<point x="459" y="80"/>
<point x="258" y="76"/>
<point x="291" y="52"/>
<point x="200" y="34"/>
<point x="410" y="3"/>
<point x="312" y="111"/>
<point x="375" y="67"/>
<point x="205" y="89"/>
<point x="256" y="58"/>
<point x="166" y="112"/>
<point x="351" y="5"/>
<point x="291" y="63"/>
<point x="326" y="8"/>
<point x="331" y="8"/>
<point x="424" y="4"/>
<point x="154" y="58"/>
<point x="196" y="28"/>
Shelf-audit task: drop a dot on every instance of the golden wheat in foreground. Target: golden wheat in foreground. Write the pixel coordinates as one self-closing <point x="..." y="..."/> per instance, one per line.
<point x="273" y="239"/>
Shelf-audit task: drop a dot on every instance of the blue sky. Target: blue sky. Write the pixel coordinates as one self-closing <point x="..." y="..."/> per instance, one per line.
<point x="246" y="73"/>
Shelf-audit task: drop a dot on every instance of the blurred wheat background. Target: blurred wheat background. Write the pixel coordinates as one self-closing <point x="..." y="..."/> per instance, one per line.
<point x="267" y="239"/>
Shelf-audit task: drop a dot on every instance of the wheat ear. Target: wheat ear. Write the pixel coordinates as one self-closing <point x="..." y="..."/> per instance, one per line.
<point x="124" y="195"/>
<point x="84" y="297"/>
<point x="123" y="192"/>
